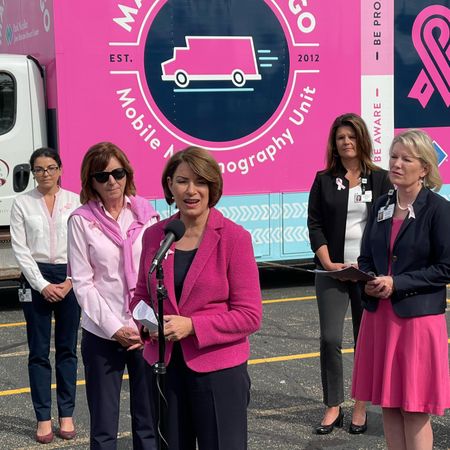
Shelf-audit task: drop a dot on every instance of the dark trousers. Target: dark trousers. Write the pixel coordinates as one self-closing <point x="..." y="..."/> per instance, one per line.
<point x="38" y="315"/>
<point x="333" y="297"/>
<point x="207" y="408"/>
<point x="104" y="364"/>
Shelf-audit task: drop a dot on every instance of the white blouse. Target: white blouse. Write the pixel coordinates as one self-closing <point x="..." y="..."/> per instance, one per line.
<point x="354" y="228"/>
<point x="37" y="236"/>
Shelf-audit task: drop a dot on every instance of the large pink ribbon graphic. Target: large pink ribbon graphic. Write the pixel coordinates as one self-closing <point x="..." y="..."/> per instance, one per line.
<point x="434" y="51"/>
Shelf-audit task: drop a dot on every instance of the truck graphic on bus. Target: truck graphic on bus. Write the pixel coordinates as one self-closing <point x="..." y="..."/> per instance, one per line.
<point x="212" y="58"/>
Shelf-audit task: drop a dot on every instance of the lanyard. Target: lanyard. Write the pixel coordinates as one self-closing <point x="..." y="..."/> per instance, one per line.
<point x="390" y="194"/>
<point x="363" y="184"/>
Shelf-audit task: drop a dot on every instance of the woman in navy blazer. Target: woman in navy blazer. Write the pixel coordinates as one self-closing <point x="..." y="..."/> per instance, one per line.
<point x="340" y="199"/>
<point x="401" y="360"/>
<point x="214" y="304"/>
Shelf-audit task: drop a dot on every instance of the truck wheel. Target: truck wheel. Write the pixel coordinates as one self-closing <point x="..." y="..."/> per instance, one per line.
<point x="181" y="78"/>
<point x="238" y="78"/>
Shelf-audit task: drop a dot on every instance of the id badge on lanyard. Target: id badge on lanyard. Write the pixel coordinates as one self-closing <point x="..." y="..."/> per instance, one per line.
<point x="386" y="211"/>
<point x="366" y="195"/>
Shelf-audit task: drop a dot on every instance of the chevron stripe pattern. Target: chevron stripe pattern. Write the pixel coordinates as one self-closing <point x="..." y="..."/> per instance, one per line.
<point x="261" y="212"/>
<point x="277" y="222"/>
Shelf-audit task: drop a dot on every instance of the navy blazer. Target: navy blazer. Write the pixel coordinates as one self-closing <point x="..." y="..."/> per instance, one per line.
<point x="420" y="260"/>
<point x="327" y="209"/>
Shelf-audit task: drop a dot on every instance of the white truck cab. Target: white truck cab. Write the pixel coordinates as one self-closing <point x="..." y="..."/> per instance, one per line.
<point x="22" y="128"/>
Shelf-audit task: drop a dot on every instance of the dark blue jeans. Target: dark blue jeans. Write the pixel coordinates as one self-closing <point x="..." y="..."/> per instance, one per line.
<point x="104" y="364"/>
<point x="38" y="315"/>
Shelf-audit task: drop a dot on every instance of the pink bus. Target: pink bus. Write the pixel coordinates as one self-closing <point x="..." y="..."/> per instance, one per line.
<point x="74" y="73"/>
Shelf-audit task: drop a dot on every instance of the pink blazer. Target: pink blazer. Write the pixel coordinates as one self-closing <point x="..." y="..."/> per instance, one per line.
<point x="221" y="294"/>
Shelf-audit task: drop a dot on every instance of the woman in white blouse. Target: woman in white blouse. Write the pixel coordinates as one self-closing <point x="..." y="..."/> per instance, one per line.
<point x="39" y="240"/>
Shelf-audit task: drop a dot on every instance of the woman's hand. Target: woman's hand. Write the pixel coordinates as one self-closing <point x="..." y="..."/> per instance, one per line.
<point x="335" y="266"/>
<point x="325" y="260"/>
<point x="53" y="293"/>
<point x="177" y="327"/>
<point x="338" y="266"/>
<point x="381" y="287"/>
<point x="128" y="337"/>
<point x="65" y="287"/>
<point x="56" y="292"/>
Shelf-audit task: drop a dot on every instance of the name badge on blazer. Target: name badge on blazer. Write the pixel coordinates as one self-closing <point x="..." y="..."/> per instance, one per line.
<point x="363" y="198"/>
<point x="385" y="213"/>
<point x="25" y="296"/>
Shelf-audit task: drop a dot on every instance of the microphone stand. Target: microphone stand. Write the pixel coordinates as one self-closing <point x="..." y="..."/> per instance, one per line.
<point x="160" y="367"/>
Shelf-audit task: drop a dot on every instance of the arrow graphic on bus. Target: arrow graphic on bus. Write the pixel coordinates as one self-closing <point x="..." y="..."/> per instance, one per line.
<point x="441" y="154"/>
<point x="212" y="58"/>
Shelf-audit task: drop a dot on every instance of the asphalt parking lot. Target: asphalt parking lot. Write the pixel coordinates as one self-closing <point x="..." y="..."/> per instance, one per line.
<point x="284" y="367"/>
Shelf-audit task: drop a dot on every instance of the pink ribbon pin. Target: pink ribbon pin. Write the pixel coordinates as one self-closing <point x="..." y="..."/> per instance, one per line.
<point x="434" y="51"/>
<point x="340" y="184"/>
<point x="411" y="213"/>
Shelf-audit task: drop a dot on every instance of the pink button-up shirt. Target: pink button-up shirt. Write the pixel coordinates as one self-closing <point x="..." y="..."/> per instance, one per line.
<point x="96" y="266"/>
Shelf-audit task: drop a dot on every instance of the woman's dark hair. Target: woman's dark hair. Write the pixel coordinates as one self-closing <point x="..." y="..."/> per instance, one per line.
<point x="95" y="160"/>
<point x="363" y="143"/>
<point x="45" y="152"/>
<point x="202" y="164"/>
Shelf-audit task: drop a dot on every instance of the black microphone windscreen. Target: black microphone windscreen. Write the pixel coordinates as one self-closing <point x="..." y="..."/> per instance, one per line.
<point x="176" y="227"/>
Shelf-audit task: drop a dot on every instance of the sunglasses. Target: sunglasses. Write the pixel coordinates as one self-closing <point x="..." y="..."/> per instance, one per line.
<point x="103" y="177"/>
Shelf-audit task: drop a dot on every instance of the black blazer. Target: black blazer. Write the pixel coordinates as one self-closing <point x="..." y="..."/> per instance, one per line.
<point x="327" y="209"/>
<point x="420" y="260"/>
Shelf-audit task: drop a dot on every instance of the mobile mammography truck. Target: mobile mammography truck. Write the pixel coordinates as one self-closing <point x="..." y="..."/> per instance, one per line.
<point x="257" y="82"/>
<point x="198" y="61"/>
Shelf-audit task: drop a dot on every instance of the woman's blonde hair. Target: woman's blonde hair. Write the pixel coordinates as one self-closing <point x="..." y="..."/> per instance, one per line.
<point x="421" y="147"/>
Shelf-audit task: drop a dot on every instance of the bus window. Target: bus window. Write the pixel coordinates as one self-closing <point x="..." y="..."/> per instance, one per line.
<point x="7" y="102"/>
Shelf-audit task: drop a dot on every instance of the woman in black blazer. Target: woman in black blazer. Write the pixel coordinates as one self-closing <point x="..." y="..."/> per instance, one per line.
<point x="401" y="359"/>
<point x="340" y="199"/>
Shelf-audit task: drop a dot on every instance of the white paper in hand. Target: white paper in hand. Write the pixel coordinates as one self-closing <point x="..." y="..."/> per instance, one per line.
<point x="146" y="316"/>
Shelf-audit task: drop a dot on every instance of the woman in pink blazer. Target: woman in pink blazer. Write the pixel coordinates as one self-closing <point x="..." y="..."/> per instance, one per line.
<point x="214" y="304"/>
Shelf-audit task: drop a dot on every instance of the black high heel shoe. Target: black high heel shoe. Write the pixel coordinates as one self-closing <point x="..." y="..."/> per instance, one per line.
<point x="338" y="423"/>
<point x="358" y="429"/>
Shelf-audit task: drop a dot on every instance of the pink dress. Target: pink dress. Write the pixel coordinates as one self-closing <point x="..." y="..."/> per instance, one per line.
<point x="402" y="362"/>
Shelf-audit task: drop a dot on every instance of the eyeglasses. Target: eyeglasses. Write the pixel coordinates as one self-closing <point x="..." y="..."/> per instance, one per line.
<point x="103" y="177"/>
<point x="40" y="171"/>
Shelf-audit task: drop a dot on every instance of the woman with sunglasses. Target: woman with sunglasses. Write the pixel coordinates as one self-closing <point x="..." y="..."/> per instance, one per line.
<point x="39" y="241"/>
<point x="104" y="248"/>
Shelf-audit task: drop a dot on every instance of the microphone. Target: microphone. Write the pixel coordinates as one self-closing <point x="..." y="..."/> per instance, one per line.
<point x="174" y="231"/>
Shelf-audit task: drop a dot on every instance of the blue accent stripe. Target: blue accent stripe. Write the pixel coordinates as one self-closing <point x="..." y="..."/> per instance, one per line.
<point x="264" y="51"/>
<point x="265" y="65"/>
<point x="215" y="90"/>
<point x="268" y="58"/>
